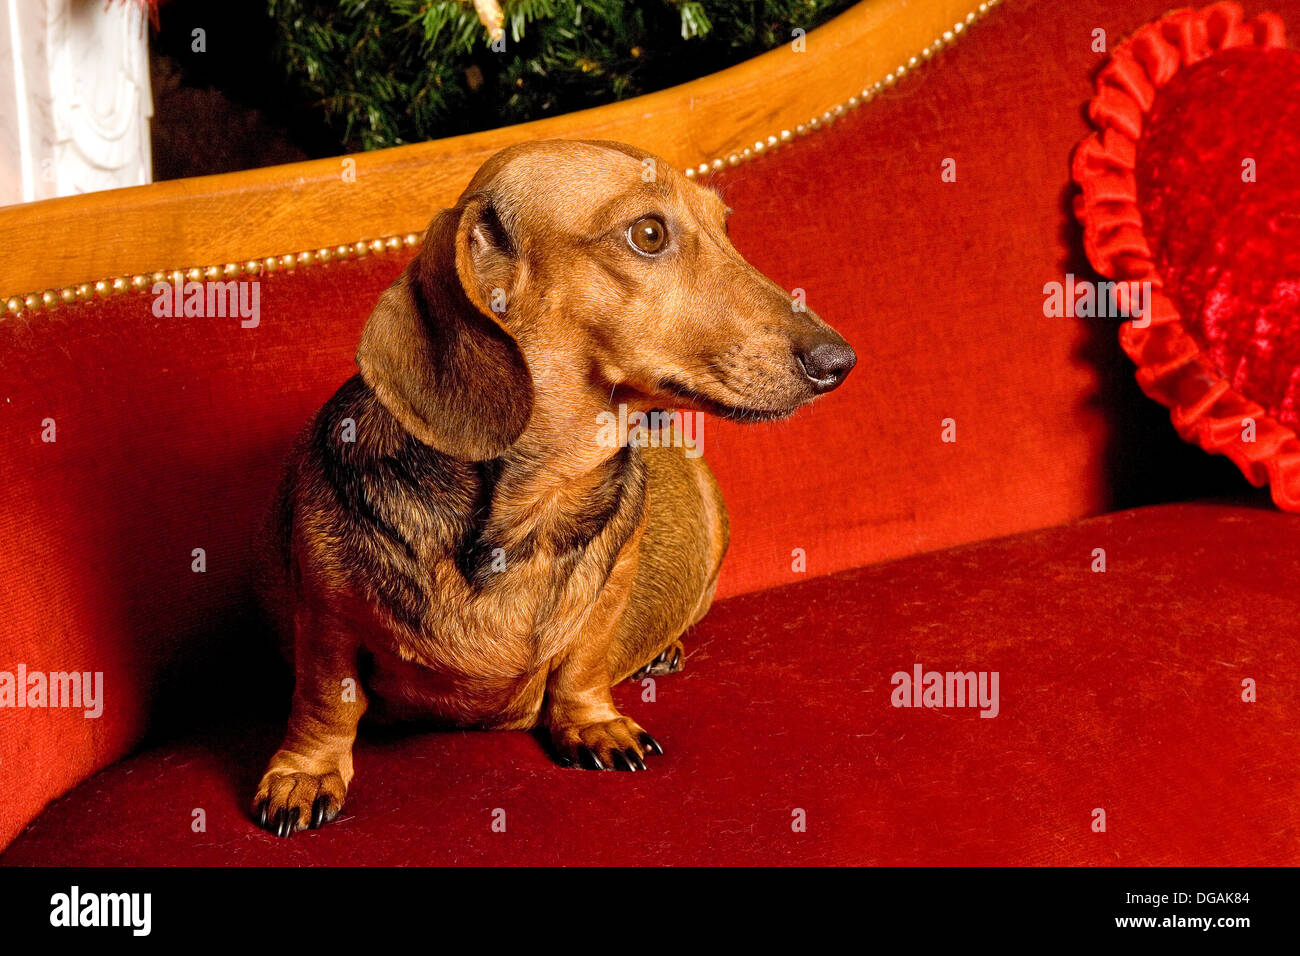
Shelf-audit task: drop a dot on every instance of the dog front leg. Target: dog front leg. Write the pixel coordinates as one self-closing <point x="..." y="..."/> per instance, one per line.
<point x="307" y="780"/>
<point x="586" y="728"/>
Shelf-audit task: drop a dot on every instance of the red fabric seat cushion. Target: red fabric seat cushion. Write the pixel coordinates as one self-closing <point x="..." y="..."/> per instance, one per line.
<point x="1119" y="690"/>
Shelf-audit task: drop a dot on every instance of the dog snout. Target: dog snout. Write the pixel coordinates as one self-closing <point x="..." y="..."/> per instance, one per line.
<point x="826" y="364"/>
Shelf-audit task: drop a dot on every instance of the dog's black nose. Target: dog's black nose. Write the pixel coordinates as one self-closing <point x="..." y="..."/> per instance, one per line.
<point x="826" y="364"/>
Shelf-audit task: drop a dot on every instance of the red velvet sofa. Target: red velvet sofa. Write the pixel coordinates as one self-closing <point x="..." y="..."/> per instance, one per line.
<point x="1120" y="690"/>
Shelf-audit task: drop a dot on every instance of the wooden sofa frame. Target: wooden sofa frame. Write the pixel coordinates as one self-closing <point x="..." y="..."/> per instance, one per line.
<point x="107" y="243"/>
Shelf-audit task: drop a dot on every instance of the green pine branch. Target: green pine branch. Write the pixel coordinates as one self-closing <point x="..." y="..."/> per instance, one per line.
<point x="385" y="72"/>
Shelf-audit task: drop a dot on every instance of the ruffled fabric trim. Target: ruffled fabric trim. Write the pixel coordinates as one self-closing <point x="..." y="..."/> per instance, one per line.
<point x="1172" y="369"/>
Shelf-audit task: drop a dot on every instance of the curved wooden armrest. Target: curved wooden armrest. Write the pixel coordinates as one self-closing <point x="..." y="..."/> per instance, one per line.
<point x="235" y="217"/>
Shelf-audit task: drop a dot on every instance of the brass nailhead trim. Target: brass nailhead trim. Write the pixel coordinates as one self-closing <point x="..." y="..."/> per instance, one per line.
<point x="867" y="94"/>
<point x="51" y="299"/>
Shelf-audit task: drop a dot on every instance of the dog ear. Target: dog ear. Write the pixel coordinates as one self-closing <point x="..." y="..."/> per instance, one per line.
<point x="436" y="354"/>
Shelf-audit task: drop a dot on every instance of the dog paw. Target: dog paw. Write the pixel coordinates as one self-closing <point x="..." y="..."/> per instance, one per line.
<point x="617" y="744"/>
<point x="672" y="660"/>
<point x="289" y="801"/>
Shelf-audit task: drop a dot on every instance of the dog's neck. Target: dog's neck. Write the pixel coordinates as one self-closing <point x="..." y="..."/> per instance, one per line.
<point x="559" y="468"/>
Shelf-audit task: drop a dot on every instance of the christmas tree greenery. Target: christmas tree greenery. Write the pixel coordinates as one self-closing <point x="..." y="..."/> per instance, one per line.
<point x="386" y="72"/>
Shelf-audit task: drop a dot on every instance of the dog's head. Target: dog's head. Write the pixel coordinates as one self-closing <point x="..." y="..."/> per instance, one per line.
<point x="568" y="271"/>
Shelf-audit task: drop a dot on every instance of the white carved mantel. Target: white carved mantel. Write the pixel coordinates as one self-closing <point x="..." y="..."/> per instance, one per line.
<point x="74" y="97"/>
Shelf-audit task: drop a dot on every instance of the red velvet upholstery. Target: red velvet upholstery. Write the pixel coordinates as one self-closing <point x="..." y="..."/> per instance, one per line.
<point x="171" y="434"/>
<point x="1118" y="690"/>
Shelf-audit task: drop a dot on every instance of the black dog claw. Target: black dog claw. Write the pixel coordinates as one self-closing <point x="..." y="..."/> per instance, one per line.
<point x="652" y="745"/>
<point x="634" y="758"/>
<point x="619" y="760"/>
<point x="278" y="821"/>
<point x="318" y="809"/>
<point x="261" y="813"/>
<point x="589" y="759"/>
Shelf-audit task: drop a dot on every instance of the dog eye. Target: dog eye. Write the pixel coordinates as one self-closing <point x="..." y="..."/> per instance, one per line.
<point x="647" y="235"/>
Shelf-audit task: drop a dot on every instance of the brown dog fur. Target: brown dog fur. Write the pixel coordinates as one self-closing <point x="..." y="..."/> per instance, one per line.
<point x="453" y="540"/>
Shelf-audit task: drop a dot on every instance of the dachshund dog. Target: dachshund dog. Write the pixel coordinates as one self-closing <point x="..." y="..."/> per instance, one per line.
<point x="454" y="541"/>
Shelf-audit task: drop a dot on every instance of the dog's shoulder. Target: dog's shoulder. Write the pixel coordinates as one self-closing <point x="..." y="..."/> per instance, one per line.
<point x="382" y="479"/>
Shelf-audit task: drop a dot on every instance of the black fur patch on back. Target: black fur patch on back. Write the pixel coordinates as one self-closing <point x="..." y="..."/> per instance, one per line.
<point x="401" y="502"/>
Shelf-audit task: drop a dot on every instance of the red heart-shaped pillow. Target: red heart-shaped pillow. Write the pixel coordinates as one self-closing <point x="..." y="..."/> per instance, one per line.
<point x="1192" y="184"/>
